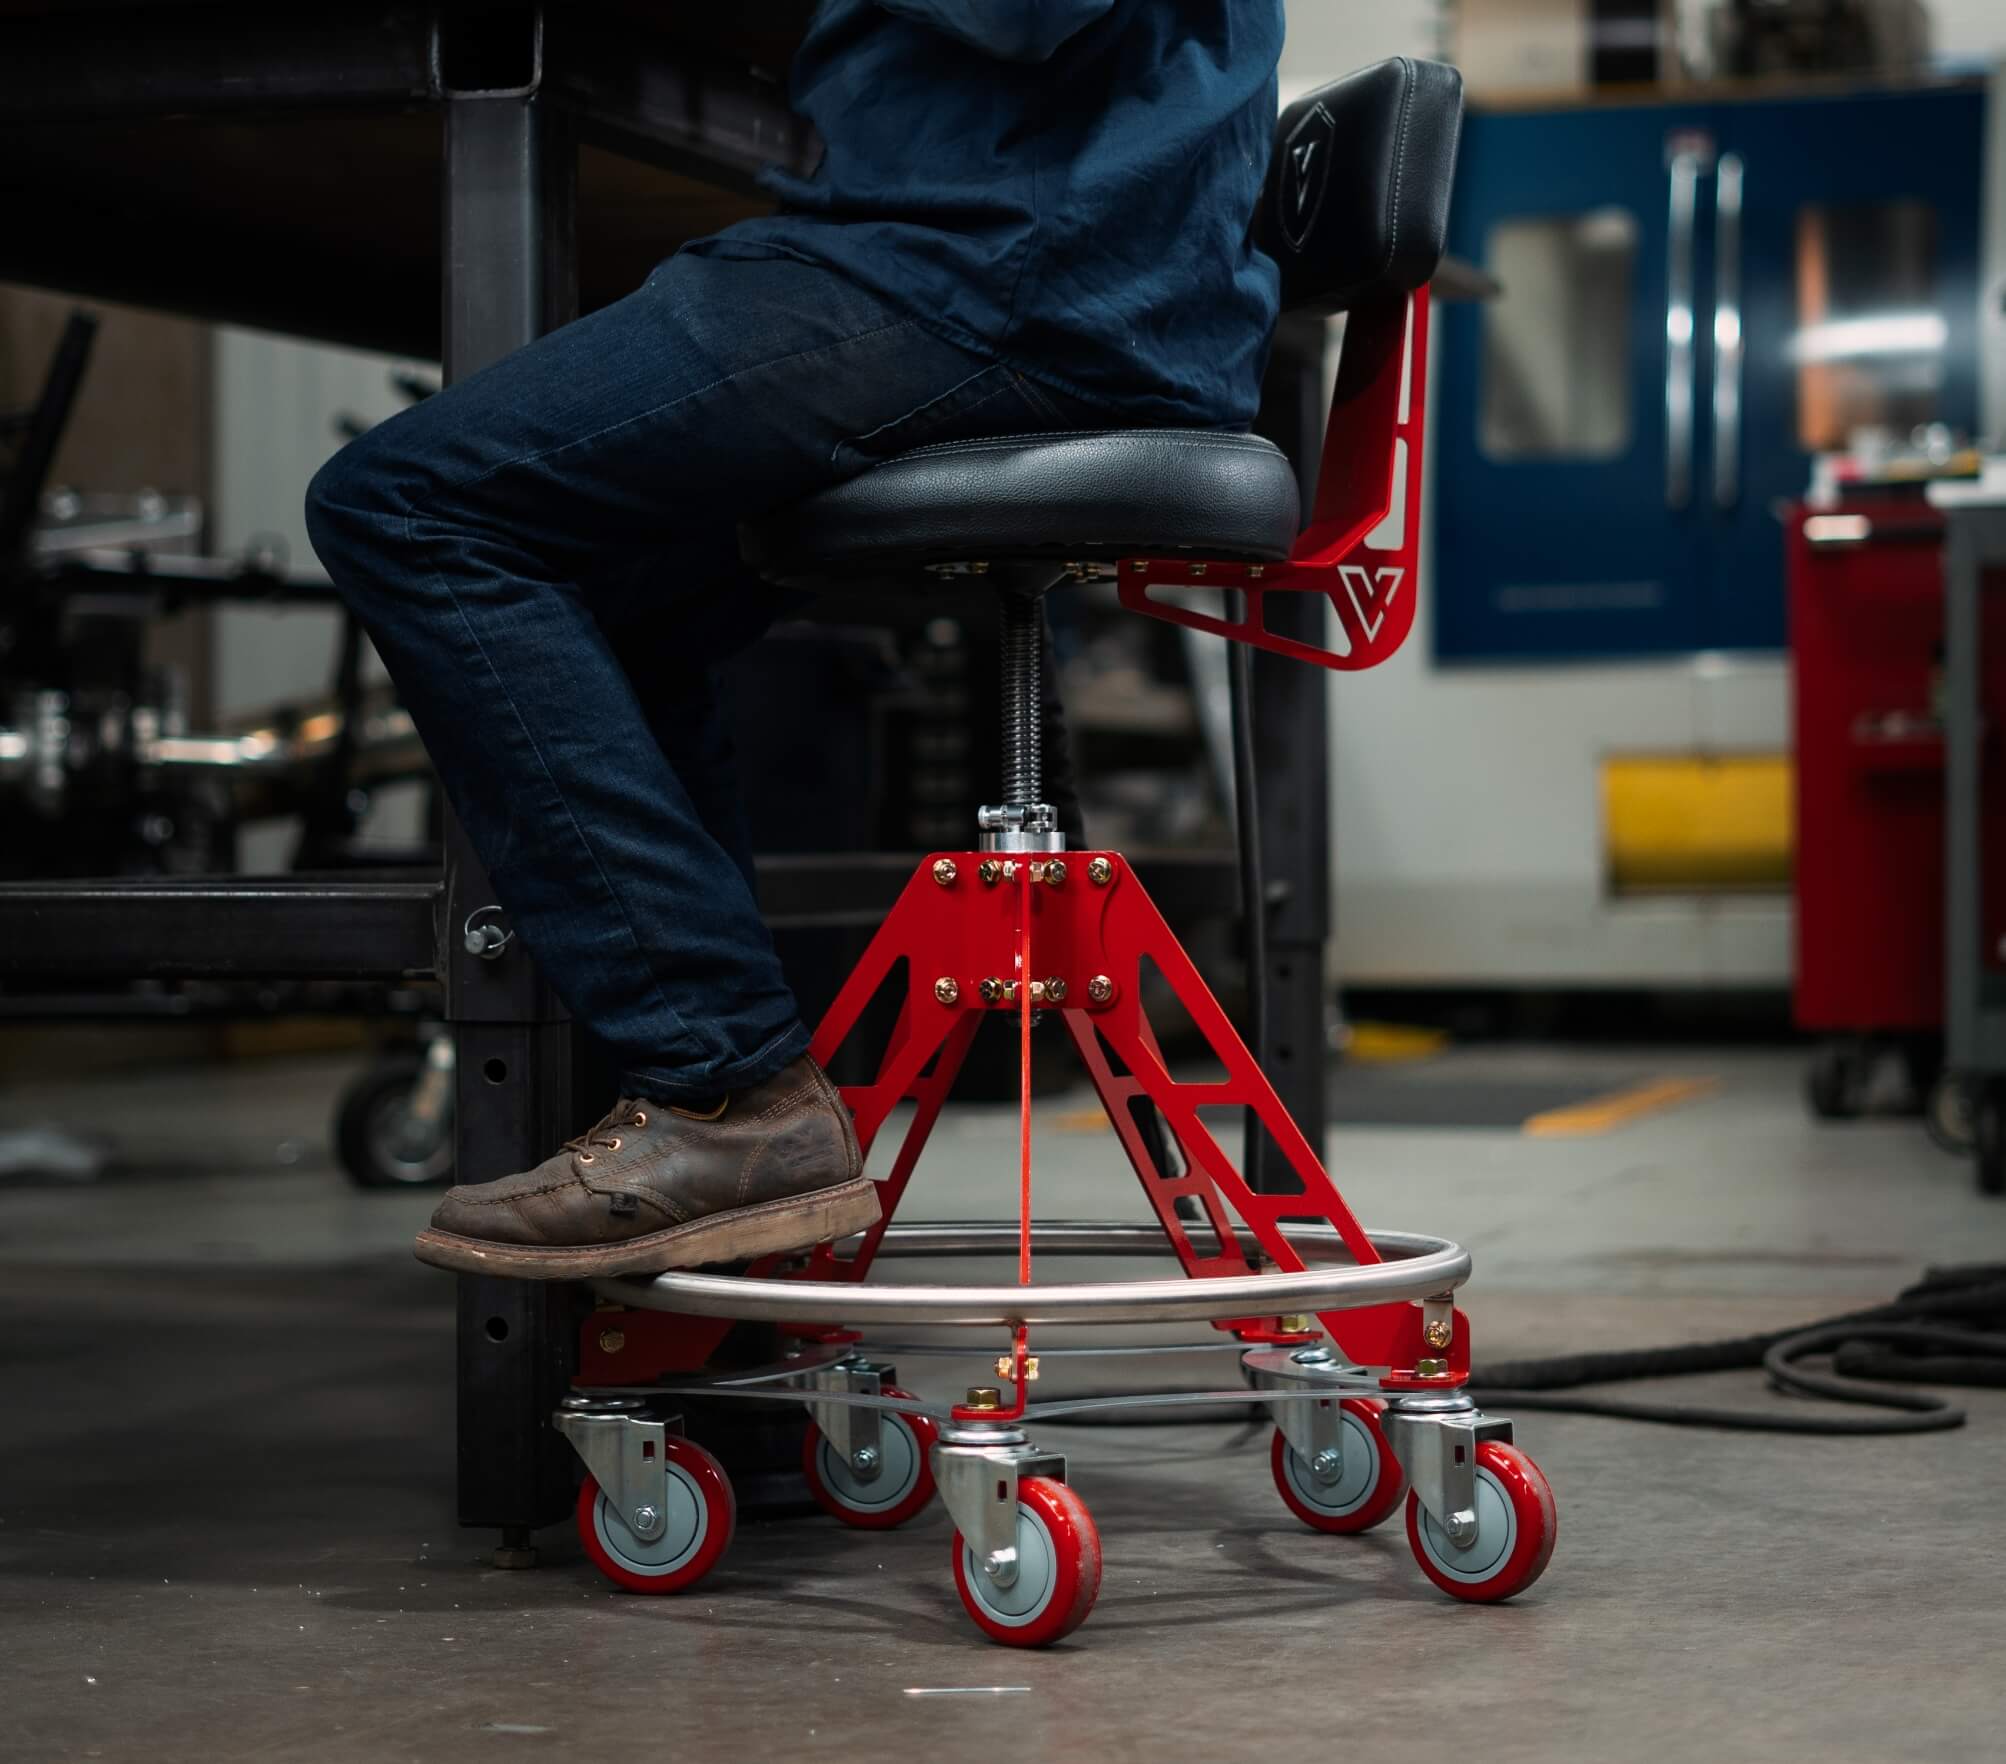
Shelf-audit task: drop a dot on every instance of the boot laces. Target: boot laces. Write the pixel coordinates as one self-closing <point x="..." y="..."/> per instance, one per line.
<point x="601" y="1137"/>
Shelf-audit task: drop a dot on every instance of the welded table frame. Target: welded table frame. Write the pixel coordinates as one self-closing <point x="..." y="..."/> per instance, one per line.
<point x="508" y="217"/>
<point x="1975" y="999"/>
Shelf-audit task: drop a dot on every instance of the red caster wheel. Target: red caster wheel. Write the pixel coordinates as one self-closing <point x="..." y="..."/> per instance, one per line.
<point x="1369" y="1486"/>
<point x="1516" y="1526"/>
<point x="902" y="1486"/>
<point x="1058" y="1570"/>
<point x="698" y="1521"/>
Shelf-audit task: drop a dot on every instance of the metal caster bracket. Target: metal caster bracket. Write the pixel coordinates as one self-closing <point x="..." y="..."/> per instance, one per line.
<point x="1315" y="1430"/>
<point x="1435" y="1438"/>
<point x="856" y="1430"/>
<point x="977" y="1469"/>
<point x="626" y="1449"/>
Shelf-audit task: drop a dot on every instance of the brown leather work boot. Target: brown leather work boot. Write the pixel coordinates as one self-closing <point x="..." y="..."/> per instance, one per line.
<point x="775" y="1169"/>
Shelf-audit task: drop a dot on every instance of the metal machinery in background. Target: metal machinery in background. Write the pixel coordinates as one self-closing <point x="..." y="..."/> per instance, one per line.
<point x="101" y="773"/>
<point x="1700" y="295"/>
<point x="382" y="109"/>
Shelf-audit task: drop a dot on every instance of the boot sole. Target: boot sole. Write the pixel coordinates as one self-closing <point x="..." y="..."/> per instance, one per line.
<point x="770" y="1228"/>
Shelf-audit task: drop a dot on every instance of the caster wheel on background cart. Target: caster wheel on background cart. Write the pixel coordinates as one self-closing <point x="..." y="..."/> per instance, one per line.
<point x="1988" y="1136"/>
<point x="699" y="1522"/>
<point x="1516" y="1526"/>
<point x="901" y="1489"/>
<point x="381" y="1140"/>
<point x="1369" y="1488"/>
<point x="1835" y="1083"/>
<point x="1947" y="1116"/>
<point x="1058" y="1570"/>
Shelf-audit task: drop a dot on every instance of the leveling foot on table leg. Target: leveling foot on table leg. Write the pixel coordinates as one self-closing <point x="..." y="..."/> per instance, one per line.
<point x="515" y="1549"/>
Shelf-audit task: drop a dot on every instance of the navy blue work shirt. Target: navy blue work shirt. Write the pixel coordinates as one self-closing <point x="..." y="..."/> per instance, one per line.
<point x="1066" y="185"/>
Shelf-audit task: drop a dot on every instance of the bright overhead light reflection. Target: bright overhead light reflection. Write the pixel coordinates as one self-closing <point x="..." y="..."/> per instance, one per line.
<point x="1883" y="333"/>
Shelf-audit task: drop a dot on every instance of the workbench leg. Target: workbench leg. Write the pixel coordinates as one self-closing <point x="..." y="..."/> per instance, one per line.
<point x="509" y="274"/>
<point x="1291" y="711"/>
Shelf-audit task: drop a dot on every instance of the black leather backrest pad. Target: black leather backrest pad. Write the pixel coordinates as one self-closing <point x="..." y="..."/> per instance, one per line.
<point x="1356" y="203"/>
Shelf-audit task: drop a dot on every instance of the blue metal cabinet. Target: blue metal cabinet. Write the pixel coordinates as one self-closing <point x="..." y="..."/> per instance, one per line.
<point x="1696" y="298"/>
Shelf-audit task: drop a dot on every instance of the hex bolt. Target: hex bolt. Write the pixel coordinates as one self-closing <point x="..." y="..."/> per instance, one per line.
<point x="647" y="1521"/>
<point x="1100" y="989"/>
<point x="864" y="1460"/>
<point x="1055" y="990"/>
<point x="983" y="1396"/>
<point x="947" y="989"/>
<point x="1006" y="1367"/>
<point x="990" y="870"/>
<point x="1295" y="1323"/>
<point x="944" y="871"/>
<point x="611" y="1341"/>
<point x="991" y="990"/>
<point x="1431" y="1368"/>
<point x="1436" y="1334"/>
<point x="1055" y="873"/>
<point x="1100" y="872"/>
<point x="1326" y="1465"/>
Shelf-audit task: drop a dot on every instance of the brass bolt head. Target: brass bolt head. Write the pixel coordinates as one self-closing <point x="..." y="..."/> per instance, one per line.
<point x="1055" y="872"/>
<point x="611" y="1341"/>
<point x="1100" y="872"/>
<point x="990" y="870"/>
<point x="947" y="989"/>
<point x="1431" y="1368"/>
<point x="1055" y="990"/>
<point x="944" y="871"/>
<point x="1436" y="1334"/>
<point x="1037" y="992"/>
<point x="983" y="1396"/>
<point x="991" y="990"/>
<point x="1007" y="1368"/>
<point x="1100" y="989"/>
<point x="1296" y="1323"/>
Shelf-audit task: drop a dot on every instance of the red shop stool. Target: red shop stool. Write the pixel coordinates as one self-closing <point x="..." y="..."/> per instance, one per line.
<point x="1352" y="1338"/>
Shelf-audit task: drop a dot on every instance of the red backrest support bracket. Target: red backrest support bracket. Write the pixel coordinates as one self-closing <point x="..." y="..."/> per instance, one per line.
<point x="1351" y="552"/>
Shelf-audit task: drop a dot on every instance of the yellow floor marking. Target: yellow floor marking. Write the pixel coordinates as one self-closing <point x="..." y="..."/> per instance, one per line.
<point x="1601" y="1114"/>
<point x="1391" y="1043"/>
<point x="1082" y="1121"/>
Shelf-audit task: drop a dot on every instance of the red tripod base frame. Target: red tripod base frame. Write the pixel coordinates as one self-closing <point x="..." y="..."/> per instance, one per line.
<point x="1095" y="934"/>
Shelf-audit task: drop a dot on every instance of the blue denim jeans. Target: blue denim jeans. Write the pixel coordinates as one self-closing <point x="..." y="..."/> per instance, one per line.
<point x="493" y="540"/>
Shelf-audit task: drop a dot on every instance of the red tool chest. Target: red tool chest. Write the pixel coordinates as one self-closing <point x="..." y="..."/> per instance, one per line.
<point x="1866" y="644"/>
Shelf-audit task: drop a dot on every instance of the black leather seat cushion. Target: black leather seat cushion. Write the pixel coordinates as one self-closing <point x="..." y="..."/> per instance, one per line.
<point x="1086" y="496"/>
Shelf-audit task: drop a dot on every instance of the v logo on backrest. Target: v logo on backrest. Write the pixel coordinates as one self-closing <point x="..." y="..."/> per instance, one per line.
<point x="1303" y="155"/>
<point x="1371" y="592"/>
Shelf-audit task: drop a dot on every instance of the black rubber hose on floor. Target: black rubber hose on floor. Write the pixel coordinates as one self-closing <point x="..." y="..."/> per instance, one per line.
<point x="1952" y="1322"/>
<point x="1952" y="1325"/>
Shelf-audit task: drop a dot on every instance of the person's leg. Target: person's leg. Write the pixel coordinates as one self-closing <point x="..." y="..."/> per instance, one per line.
<point x="470" y="534"/>
<point x="483" y="537"/>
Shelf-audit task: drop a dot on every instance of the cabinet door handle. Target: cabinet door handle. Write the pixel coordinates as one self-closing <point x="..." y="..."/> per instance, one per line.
<point x="1685" y="166"/>
<point x="1727" y="338"/>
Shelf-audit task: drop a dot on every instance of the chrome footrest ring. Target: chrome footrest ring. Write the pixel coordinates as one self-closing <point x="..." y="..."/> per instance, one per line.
<point x="1416" y="1267"/>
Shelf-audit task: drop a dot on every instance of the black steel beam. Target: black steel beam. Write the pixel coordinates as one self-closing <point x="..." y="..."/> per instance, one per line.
<point x="219" y="928"/>
<point x="510" y="261"/>
<point x="215" y="60"/>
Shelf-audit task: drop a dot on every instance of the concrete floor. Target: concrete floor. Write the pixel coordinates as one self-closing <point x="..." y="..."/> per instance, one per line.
<point x="226" y="1522"/>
